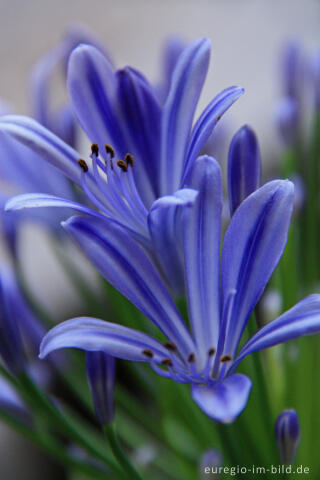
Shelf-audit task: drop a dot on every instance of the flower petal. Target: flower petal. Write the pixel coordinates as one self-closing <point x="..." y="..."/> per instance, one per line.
<point x="94" y="335"/>
<point x="223" y="401"/>
<point x="141" y="121"/>
<point x="45" y="143"/>
<point x="39" y="200"/>
<point x="20" y="167"/>
<point x="178" y="112"/>
<point x="92" y="86"/>
<point x="252" y="247"/>
<point x="201" y="251"/>
<point x="303" y="319"/>
<point x="164" y="222"/>
<point x="126" y="266"/>
<point x="244" y="165"/>
<point x="208" y="120"/>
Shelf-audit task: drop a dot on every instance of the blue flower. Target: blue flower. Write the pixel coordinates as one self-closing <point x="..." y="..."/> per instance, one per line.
<point x="153" y="146"/>
<point x="221" y="292"/>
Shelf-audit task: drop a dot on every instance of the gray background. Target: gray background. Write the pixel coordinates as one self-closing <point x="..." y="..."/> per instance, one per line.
<point x="246" y="37"/>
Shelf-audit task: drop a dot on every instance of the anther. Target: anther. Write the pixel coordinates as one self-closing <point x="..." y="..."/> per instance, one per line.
<point x="95" y="149"/>
<point x="147" y="353"/>
<point x="170" y="346"/>
<point x="109" y="150"/>
<point x="122" y="165"/>
<point x="218" y="117"/>
<point x="211" y="352"/>
<point x="225" y="358"/>
<point x="128" y="159"/>
<point x="167" y="362"/>
<point x="83" y="164"/>
<point x="191" y="358"/>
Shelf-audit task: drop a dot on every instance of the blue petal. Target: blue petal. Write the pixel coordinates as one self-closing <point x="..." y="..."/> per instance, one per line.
<point x="178" y="112"/>
<point x="39" y="139"/>
<point x="40" y="200"/>
<point x="223" y="401"/>
<point x="141" y="123"/>
<point x="244" y="165"/>
<point x="253" y="245"/>
<point x="92" y="86"/>
<point x="173" y="47"/>
<point x="20" y="167"/>
<point x="208" y="120"/>
<point x="12" y="405"/>
<point x="40" y="79"/>
<point x="94" y="335"/>
<point x="303" y="319"/>
<point x="100" y="373"/>
<point x="126" y="266"/>
<point x="201" y="250"/>
<point x="166" y="234"/>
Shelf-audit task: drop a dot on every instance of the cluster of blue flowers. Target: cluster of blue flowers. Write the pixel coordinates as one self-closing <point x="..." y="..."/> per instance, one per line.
<point x="149" y="202"/>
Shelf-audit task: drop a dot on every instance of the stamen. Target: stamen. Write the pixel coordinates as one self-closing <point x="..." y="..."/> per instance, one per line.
<point x="122" y="165"/>
<point x="147" y="353"/>
<point x="95" y="149"/>
<point x="167" y="362"/>
<point x="225" y="358"/>
<point x="218" y="118"/>
<point x="109" y="150"/>
<point x="209" y="363"/>
<point x="83" y="164"/>
<point x="191" y="358"/>
<point x="170" y="346"/>
<point x="128" y="159"/>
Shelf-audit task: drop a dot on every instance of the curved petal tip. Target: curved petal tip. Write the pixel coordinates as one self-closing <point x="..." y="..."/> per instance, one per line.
<point x="223" y="401"/>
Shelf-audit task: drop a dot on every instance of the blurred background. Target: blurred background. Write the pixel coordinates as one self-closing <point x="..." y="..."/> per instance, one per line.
<point x="247" y="37"/>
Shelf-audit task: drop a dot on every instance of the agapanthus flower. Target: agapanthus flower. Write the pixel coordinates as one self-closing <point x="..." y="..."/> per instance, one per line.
<point x="142" y="151"/>
<point x="221" y="292"/>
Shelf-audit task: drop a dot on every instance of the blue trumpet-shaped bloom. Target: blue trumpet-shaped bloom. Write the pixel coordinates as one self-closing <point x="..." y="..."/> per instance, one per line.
<point x="222" y="291"/>
<point x="153" y="146"/>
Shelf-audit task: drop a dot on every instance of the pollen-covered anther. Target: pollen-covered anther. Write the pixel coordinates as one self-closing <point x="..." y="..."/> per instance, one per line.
<point x="170" y="346"/>
<point x="211" y="352"/>
<point x="191" y="358"/>
<point x="167" y="362"/>
<point x="109" y="150"/>
<point x="121" y="164"/>
<point x="225" y="358"/>
<point x="95" y="149"/>
<point x="147" y="353"/>
<point x="83" y="164"/>
<point x="218" y="118"/>
<point x="129" y="159"/>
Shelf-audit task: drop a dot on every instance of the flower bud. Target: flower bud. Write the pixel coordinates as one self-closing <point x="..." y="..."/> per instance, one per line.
<point x="292" y="66"/>
<point x="11" y="347"/>
<point x="210" y="462"/>
<point x="288" y="435"/>
<point x="244" y="165"/>
<point x="100" y="374"/>
<point x="287" y="120"/>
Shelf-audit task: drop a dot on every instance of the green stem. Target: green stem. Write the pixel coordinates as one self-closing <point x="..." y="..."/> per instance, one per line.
<point x="119" y="454"/>
<point x="53" y="449"/>
<point x="43" y="405"/>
